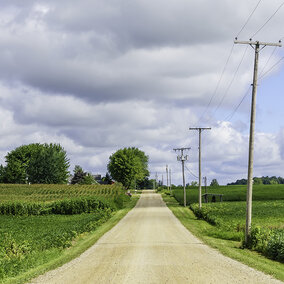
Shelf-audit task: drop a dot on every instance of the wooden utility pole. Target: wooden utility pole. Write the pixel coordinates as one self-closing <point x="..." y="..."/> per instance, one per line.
<point x="200" y="129"/>
<point x="205" y="184"/>
<point x="167" y="170"/>
<point x="182" y="158"/>
<point x="257" y="46"/>
<point x="170" y="180"/>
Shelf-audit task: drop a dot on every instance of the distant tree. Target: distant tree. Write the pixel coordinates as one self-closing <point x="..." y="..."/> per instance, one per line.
<point x="2" y="174"/>
<point x="78" y="176"/>
<point x="127" y="165"/>
<point x="214" y="182"/>
<point x="146" y="183"/>
<point x="194" y="183"/>
<point x="107" y="179"/>
<point x="89" y="179"/>
<point x="257" y="180"/>
<point x="37" y="163"/>
<point x="239" y="182"/>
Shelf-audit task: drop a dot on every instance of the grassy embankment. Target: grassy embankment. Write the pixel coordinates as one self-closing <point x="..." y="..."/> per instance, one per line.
<point x="224" y="225"/>
<point x="41" y="228"/>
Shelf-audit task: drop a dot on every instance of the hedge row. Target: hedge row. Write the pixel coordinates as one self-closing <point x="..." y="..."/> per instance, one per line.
<point x="62" y="207"/>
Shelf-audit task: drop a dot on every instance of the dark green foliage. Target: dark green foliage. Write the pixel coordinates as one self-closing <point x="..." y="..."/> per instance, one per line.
<point x="260" y="180"/>
<point x="214" y="182"/>
<point x="37" y="163"/>
<point x="81" y="177"/>
<point x="128" y="165"/>
<point x="267" y="241"/>
<point x="146" y="183"/>
<point x="107" y="179"/>
<point x="78" y="176"/>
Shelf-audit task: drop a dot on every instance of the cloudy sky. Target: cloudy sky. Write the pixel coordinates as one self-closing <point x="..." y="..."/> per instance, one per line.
<point x="96" y="76"/>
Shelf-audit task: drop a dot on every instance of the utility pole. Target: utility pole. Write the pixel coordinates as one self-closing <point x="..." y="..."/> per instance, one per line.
<point x="205" y="184"/>
<point x="167" y="170"/>
<point x="170" y="180"/>
<point x="156" y="179"/>
<point x="257" y="46"/>
<point x="182" y="158"/>
<point x="200" y="129"/>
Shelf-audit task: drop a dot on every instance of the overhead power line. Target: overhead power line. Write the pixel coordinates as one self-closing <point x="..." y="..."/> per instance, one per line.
<point x="229" y="117"/>
<point x="271" y="68"/>
<point x="246" y="22"/>
<point x="268" y="20"/>
<point x="231" y="82"/>
<point x="218" y="84"/>
<point x="267" y="61"/>
<point x="191" y="172"/>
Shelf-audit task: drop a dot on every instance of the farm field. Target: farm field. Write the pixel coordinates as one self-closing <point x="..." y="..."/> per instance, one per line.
<point x="228" y="217"/>
<point x="233" y="193"/>
<point x="39" y="222"/>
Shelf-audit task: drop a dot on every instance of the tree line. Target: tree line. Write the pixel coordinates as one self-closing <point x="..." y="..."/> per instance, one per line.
<point x="260" y="180"/>
<point x="48" y="164"/>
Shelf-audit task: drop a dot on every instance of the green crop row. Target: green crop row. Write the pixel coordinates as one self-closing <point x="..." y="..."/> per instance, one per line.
<point x="50" y="192"/>
<point x="64" y="207"/>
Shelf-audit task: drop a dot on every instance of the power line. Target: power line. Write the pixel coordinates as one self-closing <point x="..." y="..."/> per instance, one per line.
<point x="218" y="84"/>
<point x="231" y="82"/>
<point x="267" y="61"/>
<point x="249" y="18"/>
<point x="191" y="172"/>
<point x="271" y="68"/>
<point x="268" y="20"/>
<point x="229" y="117"/>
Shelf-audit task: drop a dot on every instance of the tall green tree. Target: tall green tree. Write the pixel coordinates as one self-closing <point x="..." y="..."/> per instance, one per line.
<point x="127" y="165"/>
<point x="37" y="163"/>
<point x="214" y="182"/>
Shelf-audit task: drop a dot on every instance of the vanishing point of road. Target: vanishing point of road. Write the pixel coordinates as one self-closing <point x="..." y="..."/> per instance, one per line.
<point x="149" y="245"/>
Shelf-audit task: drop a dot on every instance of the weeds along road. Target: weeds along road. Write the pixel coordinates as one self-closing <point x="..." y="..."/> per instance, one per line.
<point x="151" y="246"/>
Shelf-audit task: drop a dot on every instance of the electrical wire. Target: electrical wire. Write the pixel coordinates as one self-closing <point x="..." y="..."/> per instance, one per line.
<point x="229" y="117"/>
<point x="268" y="20"/>
<point x="218" y="84"/>
<point x="248" y="18"/>
<point x="266" y="63"/>
<point x="231" y="82"/>
<point x="271" y="68"/>
<point x="191" y="172"/>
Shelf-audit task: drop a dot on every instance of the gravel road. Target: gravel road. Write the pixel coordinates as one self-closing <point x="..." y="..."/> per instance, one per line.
<point x="149" y="245"/>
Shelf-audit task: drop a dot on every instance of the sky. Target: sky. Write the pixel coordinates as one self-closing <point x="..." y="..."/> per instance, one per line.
<point x="97" y="76"/>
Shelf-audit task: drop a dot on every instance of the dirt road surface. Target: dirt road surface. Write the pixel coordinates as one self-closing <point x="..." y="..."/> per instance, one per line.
<point x="149" y="245"/>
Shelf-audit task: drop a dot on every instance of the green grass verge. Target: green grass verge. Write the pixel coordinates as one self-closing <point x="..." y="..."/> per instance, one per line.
<point x="56" y="258"/>
<point x="203" y="231"/>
